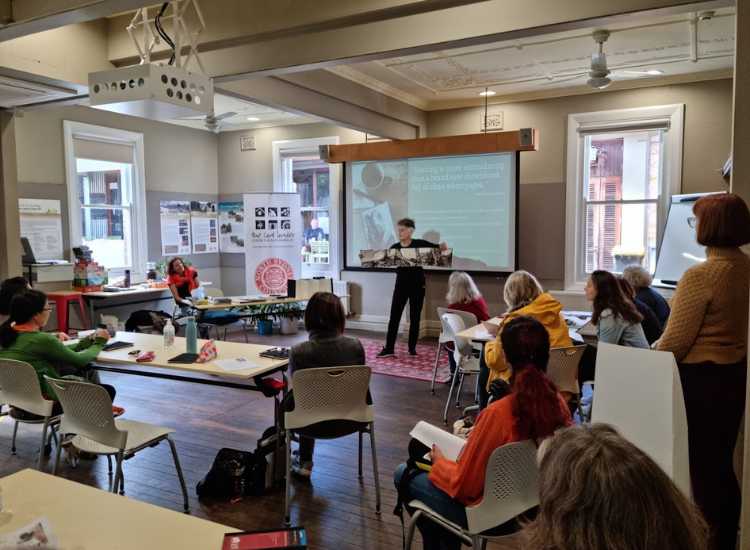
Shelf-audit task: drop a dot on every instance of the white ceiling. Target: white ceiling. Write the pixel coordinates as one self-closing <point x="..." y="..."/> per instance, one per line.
<point x="555" y="64"/>
<point x="244" y="109"/>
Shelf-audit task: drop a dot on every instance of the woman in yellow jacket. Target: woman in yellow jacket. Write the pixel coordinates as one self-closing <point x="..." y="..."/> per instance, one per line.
<point x="524" y="296"/>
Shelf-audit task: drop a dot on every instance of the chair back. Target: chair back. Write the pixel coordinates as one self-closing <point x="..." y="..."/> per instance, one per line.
<point x="562" y="368"/>
<point x="88" y="412"/>
<point x="213" y="292"/>
<point x="19" y="386"/>
<point x="511" y="486"/>
<point x="330" y="393"/>
<point x="452" y="325"/>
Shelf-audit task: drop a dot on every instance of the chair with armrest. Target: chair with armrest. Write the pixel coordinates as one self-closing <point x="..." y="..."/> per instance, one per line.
<point x="88" y="413"/>
<point x="330" y="403"/>
<point x="318" y="251"/>
<point x="20" y="388"/>
<point x="510" y="488"/>
<point x="562" y="370"/>
<point x="466" y="363"/>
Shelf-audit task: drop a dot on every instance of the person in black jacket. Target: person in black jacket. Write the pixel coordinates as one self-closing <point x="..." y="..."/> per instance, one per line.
<point x="410" y="286"/>
<point x="651" y="326"/>
<point x="640" y="278"/>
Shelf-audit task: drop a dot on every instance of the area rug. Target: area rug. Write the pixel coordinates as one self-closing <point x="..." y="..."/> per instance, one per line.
<point x="417" y="368"/>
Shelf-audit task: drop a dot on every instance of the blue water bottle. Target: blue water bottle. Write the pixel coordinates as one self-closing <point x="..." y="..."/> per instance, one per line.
<point x="191" y="335"/>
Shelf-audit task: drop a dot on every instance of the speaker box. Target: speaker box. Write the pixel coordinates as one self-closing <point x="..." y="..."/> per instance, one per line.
<point x="527" y="136"/>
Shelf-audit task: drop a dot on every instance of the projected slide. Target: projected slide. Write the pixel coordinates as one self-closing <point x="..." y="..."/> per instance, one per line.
<point x="465" y="201"/>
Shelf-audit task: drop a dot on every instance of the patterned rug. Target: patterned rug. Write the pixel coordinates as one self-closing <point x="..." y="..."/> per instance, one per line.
<point x="417" y="368"/>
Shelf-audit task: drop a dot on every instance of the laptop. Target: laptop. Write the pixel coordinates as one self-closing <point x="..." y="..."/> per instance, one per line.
<point x="28" y="257"/>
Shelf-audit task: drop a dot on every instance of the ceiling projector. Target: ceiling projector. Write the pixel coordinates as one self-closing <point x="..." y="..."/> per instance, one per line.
<point x="153" y="91"/>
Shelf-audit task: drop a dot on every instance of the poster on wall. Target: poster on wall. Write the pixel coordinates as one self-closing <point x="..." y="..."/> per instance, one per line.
<point x="203" y="220"/>
<point x="175" y="227"/>
<point x="231" y="227"/>
<point x="273" y="230"/>
<point x="41" y="223"/>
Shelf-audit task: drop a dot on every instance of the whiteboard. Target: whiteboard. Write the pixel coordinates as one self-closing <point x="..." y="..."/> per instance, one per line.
<point x="679" y="250"/>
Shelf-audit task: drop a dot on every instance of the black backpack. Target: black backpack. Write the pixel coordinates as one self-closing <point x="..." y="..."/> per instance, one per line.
<point x="230" y="475"/>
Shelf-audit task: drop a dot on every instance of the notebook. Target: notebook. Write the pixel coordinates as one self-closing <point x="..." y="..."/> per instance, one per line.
<point x="185" y="358"/>
<point x="117" y="345"/>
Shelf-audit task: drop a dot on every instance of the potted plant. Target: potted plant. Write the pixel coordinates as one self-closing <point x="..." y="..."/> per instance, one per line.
<point x="289" y="315"/>
<point x="264" y="315"/>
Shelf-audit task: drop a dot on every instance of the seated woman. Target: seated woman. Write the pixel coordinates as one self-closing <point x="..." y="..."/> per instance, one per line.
<point x="524" y="296"/>
<point x="598" y="490"/>
<point x="463" y="295"/>
<point x="651" y="326"/>
<point x="533" y="410"/>
<point x="182" y="281"/>
<point x="325" y="319"/>
<point x="21" y="339"/>
<point x="8" y="289"/>
<point x="641" y="279"/>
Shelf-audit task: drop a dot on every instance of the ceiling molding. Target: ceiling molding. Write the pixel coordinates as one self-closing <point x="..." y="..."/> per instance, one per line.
<point x="583" y="90"/>
<point x="381" y="87"/>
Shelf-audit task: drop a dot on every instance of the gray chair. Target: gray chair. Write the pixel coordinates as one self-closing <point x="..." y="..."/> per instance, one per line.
<point x="469" y="321"/>
<point x="88" y="414"/>
<point x="562" y="370"/>
<point x="466" y="363"/>
<point x="20" y="388"/>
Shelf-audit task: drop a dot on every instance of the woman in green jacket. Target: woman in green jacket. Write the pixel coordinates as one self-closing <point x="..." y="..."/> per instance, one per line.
<point x="21" y="339"/>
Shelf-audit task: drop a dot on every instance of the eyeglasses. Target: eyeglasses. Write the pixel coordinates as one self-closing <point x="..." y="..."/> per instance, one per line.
<point x="692" y="222"/>
<point x="47" y="309"/>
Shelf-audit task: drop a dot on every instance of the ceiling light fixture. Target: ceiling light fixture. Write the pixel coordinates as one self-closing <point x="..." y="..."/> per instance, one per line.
<point x="253" y="118"/>
<point x="487" y="92"/>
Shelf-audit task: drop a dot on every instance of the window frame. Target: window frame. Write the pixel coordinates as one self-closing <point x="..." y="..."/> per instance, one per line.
<point x="138" y="206"/>
<point x="309" y="147"/>
<point x="640" y="118"/>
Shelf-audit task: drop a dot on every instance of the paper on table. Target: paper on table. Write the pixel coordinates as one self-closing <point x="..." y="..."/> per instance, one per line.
<point x="492" y="328"/>
<point x="235" y="364"/>
<point x="450" y="445"/>
<point x="37" y="534"/>
<point x="480" y="335"/>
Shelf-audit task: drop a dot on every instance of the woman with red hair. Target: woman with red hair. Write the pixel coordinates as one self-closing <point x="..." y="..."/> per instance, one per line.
<point x="533" y="410"/>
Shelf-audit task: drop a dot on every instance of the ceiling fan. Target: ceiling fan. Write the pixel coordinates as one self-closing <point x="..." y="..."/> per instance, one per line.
<point x="599" y="76"/>
<point x="213" y="123"/>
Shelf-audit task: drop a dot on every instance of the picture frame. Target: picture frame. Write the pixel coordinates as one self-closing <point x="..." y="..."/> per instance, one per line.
<point x="247" y="143"/>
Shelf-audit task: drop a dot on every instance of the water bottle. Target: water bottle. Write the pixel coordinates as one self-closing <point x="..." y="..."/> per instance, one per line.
<point x="127" y="278"/>
<point x="169" y="334"/>
<point x="191" y="335"/>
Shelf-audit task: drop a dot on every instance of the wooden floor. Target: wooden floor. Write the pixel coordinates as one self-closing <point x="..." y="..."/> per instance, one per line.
<point x="336" y="508"/>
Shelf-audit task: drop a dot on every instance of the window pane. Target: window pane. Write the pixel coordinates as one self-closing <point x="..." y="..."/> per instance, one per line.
<point x="620" y="235"/>
<point x="102" y="182"/>
<point x="311" y="180"/>
<point x="625" y="165"/>
<point x="108" y="234"/>
<point x="315" y="238"/>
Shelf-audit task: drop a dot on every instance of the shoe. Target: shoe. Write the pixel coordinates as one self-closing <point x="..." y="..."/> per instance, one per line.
<point x="48" y="449"/>
<point x="302" y="468"/>
<point x="83" y="455"/>
<point x="385" y="353"/>
<point x="117" y="411"/>
<point x="412" y="352"/>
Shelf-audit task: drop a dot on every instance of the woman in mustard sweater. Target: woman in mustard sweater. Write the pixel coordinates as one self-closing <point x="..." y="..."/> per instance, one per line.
<point x="21" y="339"/>
<point x="524" y="296"/>
<point x="707" y="333"/>
<point x="533" y="410"/>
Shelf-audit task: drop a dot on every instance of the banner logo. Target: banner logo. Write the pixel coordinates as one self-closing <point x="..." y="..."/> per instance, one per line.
<point x="272" y="274"/>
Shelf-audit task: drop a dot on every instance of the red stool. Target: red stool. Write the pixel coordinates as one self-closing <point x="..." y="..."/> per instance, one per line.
<point x="63" y="299"/>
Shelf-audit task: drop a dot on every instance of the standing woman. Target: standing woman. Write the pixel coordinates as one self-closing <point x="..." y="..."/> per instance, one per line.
<point x="463" y="295"/>
<point x="707" y="333"/>
<point x="182" y="280"/>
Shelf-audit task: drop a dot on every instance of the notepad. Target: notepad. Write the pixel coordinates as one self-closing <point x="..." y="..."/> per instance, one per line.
<point x="235" y="364"/>
<point x="449" y="444"/>
<point x="185" y="358"/>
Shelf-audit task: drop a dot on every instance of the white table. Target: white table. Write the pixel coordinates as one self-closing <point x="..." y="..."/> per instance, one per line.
<point x="471" y="333"/>
<point x="85" y="518"/>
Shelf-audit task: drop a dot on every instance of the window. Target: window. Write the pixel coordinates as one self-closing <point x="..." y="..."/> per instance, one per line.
<point x="623" y="167"/>
<point x="300" y="170"/>
<point x="106" y="197"/>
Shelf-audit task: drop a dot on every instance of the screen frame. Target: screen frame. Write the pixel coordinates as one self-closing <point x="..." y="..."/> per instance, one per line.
<point x="432" y="270"/>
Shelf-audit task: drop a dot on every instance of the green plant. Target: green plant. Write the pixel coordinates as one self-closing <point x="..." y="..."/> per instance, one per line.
<point x="265" y="312"/>
<point x="290" y="309"/>
<point x="161" y="265"/>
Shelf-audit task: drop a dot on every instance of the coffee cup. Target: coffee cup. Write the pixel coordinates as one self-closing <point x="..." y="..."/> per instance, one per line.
<point x="373" y="176"/>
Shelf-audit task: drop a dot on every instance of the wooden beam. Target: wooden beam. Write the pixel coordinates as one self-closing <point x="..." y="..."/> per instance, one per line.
<point x="432" y="147"/>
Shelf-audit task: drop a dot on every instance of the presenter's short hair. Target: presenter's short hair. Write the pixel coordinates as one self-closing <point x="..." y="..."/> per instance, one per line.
<point x="723" y="220"/>
<point x="637" y="275"/>
<point x="325" y="312"/>
<point x="406" y="222"/>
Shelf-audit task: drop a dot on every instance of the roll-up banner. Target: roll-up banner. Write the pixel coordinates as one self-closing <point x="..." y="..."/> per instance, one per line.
<point x="273" y="229"/>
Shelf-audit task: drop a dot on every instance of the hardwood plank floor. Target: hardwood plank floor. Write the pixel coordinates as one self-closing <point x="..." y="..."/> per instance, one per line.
<point x="336" y="508"/>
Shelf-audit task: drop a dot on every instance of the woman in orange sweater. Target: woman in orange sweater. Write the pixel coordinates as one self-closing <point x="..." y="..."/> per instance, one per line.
<point x="534" y="409"/>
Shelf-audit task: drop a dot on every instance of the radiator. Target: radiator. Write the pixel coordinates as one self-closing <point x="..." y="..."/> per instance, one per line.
<point x="571" y="301"/>
<point x="341" y="288"/>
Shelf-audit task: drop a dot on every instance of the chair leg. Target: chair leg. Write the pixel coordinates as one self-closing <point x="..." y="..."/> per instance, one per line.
<point x="412" y="526"/>
<point x="375" y="467"/>
<point x="475" y="544"/>
<point x="58" y="450"/>
<point x="43" y="443"/>
<point x="53" y="435"/>
<point x="13" y="443"/>
<point x="122" y="482"/>
<point x="118" y="472"/>
<point x="109" y="463"/>
<point x="460" y="387"/>
<point x="360" y="455"/>
<point x="179" y="473"/>
<point x="244" y="329"/>
<point x="450" y="394"/>
<point x="287" y="509"/>
<point x="434" y="372"/>
<point x="484" y="544"/>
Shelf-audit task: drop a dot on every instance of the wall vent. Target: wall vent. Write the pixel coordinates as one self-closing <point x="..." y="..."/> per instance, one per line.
<point x="15" y="93"/>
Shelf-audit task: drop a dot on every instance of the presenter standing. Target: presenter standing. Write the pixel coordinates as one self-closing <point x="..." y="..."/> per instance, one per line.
<point x="410" y="286"/>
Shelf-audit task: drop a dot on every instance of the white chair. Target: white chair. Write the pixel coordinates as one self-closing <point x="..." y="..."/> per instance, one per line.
<point x="319" y="251"/>
<point x="469" y="321"/>
<point x="562" y="370"/>
<point x="331" y="394"/>
<point x="466" y="363"/>
<point x="88" y="413"/>
<point x="213" y="292"/>
<point x="510" y="488"/>
<point x="20" y="388"/>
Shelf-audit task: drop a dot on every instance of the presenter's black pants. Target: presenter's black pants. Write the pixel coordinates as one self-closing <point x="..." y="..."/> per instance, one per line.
<point x="413" y="292"/>
<point x="714" y="404"/>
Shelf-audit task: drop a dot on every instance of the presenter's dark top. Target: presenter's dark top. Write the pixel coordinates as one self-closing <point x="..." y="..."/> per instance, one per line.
<point x="416" y="273"/>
